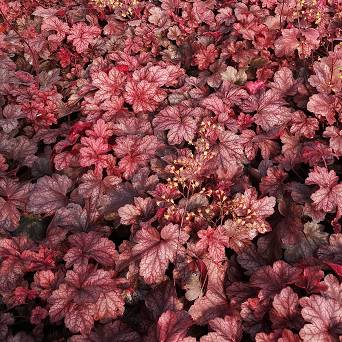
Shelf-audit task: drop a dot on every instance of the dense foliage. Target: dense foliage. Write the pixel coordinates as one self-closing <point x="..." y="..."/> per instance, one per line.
<point x="169" y="170"/>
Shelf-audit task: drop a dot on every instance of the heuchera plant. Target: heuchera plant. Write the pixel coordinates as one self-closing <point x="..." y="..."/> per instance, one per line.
<point x="169" y="170"/>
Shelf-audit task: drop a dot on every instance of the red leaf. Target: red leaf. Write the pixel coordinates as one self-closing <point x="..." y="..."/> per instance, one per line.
<point x="323" y="314"/>
<point x="144" y="96"/>
<point x="79" y="318"/>
<point x="215" y="241"/>
<point x="3" y="163"/>
<point x="129" y="214"/>
<point x="108" y="85"/>
<point x="311" y="280"/>
<point x="135" y="152"/>
<point x="43" y="259"/>
<point x="205" y="56"/>
<point x="181" y="122"/>
<point x="173" y="326"/>
<point x="90" y="245"/>
<point x="114" y="331"/>
<point x="217" y="106"/>
<point x="327" y="77"/>
<point x="303" y="125"/>
<point x="54" y="24"/>
<point x="13" y="266"/>
<point x="284" y="83"/>
<point x="254" y="87"/>
<point x="13" y="197"/>
<point x="88" y="283"/>
<point x="272" y="183"/>
<point x="61" y="300"/>
<point x="49" y="194"/>
<point x="157" y="250"/>
<point x="228" y="149"/>
<point x="165" y="75"/>
<point x="82" y="35"/>
<point x="143" y="207"/>
<point x="38" y="314"/>
<point x="87" y="294"/>
<point x="109" y="305"/>
<point x="270" y="109"/>
<point x="287" y="43"/>
<point x="93" y="186"/>
<point x="45" y="282"/>
<point x="93" y="152"/>
<point x="253" y="312"/>
<point x="163" y="298"/>
<point x="336" y="268"/>
<point x="327" y="197"/>
<point x="304" y="41"/>
<point x="285" y="312"/>
<point x="64" y="57"/>
<point x="227" y="329"/>
<point x="335" y="141"/>
<point x="323" y="105"/>
<point x="214" y="304"/>
<point x="250" y="213"/>
<point x="271" y="280"/>
<point x="314" y="152"/>
<point x="289" y="336"/>
<point x="278" y="336"/>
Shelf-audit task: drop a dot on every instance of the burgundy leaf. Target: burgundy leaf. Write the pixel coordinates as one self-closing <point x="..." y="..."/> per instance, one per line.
<point x="13" y="197"/>
<point x="310" y="240"/>
<point x="270" y="109"/>
<point x="82" y="35"/>
<point x="134" y="152"/>
<point x="157" y="250"/>
<point x="228" y="149"/>
<point x="227" y="329"/>
<point x="163" y="298"/>
<point x="332" y="251"/>
<point x="6" y="319"/>
<point x="271" y="280"/>
<point x="323" y="105"/>
<point x="49" y="194"/>
<point x="113" y="331"/>
<point x="215" y="241"/>
<point x="284" y="82"/>
<point x="323" y="314"/>
<point x="54" y="24"/>
<point x="143" y="95"/>
<point x="85" y="246"/>
<point x="172" y="326"/>
<point x="109" y="305"/>
<point x="327" y="196"/>
<point x="285" y="312"/>
<point x="79" y="318"/>
<point x="327" y="74"/>
<point x="181" y="122"/>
